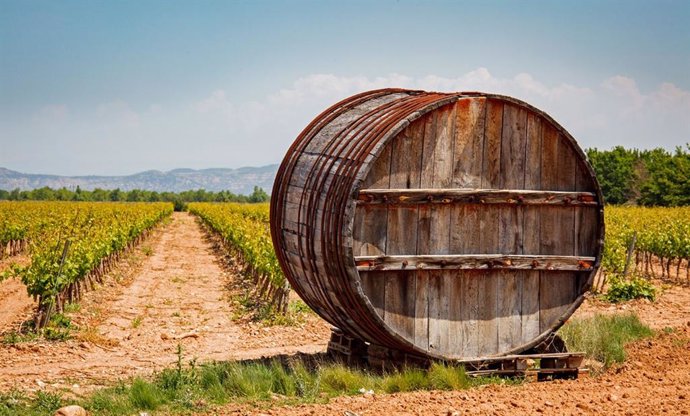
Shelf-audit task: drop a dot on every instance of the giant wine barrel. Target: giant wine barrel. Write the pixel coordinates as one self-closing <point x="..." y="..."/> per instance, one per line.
<point x="447" y="225"/>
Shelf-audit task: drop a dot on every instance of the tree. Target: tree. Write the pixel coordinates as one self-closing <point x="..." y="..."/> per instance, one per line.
<point x="259" y="195"/>
<point x="616" y="172"/>
<point x="667" y="181"/>
<point x="116" y="195"/>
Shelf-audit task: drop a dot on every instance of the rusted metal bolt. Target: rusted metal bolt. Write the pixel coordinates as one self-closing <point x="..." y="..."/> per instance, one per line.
<point x="430" y="198"/>
<point x="535" y="264"/>
<point x="404" y="264"/>
<point x="583" y="264"/>
<point x="520" y="199"/>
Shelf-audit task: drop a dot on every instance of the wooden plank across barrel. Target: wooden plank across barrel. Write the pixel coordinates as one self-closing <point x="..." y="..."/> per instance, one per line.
<point x="447" y="225"/>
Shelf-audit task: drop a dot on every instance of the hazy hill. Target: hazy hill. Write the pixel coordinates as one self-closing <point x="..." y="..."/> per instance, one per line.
<point x="239" y="181"/>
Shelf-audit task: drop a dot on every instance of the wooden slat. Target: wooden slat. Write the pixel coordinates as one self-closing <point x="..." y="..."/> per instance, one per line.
<point x="369" y="233"/>
<point x="487" y="312"/>
<point x="422" y="128"/>
<point x="421" y="310"/>
<point x="400" y="291"/>
<point x="447" y="326"/>
<point x="464" y="235"/>
<point x="514" y="140"/>
<point x="556" y="291"/>
<point x="510" y="226"/>
<point x="426" y="281"/>
<point x="503" y="358"/>
<point x="491" y="165"/>
<point x="469" y="142"/>
<point x="438" y="154"/>
<point x="531" y="228"/>
<point x="475" y="262"/>
<point x="374" y="288"/>
<point x="474" y="196"/>
<point x="586" y="224"/>
<point x="465" y="220"/>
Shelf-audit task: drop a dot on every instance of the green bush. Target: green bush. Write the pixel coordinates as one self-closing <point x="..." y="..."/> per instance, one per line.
<point x="621" y="290"/>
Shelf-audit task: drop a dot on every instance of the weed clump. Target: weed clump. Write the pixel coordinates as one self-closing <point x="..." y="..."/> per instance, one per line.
<point x="603" y="337"/>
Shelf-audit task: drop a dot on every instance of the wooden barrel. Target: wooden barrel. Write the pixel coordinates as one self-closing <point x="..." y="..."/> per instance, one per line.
<point x="448" y="225"/>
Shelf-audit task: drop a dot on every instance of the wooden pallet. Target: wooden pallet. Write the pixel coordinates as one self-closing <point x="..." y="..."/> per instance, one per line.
<point x="538" y="367"/>
<point x="349" y="349"/>
<point x="532" y="366"/>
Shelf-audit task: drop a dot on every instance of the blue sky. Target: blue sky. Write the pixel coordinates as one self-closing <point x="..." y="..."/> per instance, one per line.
<point x="116" y="87"/>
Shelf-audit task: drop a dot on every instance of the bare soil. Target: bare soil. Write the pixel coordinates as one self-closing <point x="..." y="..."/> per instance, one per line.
<point x="670" y="309"/>
<point x="170" y="291"/>
<point x="15" y="303"/>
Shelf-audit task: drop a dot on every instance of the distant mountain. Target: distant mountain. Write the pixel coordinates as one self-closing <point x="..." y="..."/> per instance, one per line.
<point x="239" y="181"/>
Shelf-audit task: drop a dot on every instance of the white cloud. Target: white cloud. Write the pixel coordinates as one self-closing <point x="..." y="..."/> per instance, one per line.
<point x="218" y="130"/>
<point x="216" y="102"/>
<point x="119" y="113"/>
<point x="613" y="112"/>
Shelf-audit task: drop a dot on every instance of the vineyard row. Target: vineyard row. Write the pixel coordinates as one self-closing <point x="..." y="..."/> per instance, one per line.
<point x="71" y="244"/>
<point x="245" y="232"/>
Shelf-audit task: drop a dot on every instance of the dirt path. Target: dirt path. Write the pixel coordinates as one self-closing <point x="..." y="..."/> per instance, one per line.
<point x="15" y="304"/>
<point x="174" y="295"/>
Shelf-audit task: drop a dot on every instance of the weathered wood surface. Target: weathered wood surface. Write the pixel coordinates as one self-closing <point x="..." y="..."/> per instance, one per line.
<point x="474" y="262"/>
<point x="474" y="229"/>
<point x="483" y="257"/>
<point x="475" y="196"/>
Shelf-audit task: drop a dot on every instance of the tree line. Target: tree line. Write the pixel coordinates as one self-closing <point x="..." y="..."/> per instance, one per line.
<point x="654" y="177"/>
<point x="135" y="195"/>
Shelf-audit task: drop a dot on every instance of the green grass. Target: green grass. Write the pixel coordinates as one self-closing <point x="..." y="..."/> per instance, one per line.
<point x="189" y="388"/>
<point x="136" y="322"/>
<point x="72" y="308"/>
<point x="603" y="337"/>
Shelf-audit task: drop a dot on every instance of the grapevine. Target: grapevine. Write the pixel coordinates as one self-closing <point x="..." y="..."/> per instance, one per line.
<point x="661" y="235"/>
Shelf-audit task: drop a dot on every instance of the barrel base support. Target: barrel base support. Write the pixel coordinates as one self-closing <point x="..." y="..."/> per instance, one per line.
<point x="549" y="360"/>
<point x="349" y="349"/>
